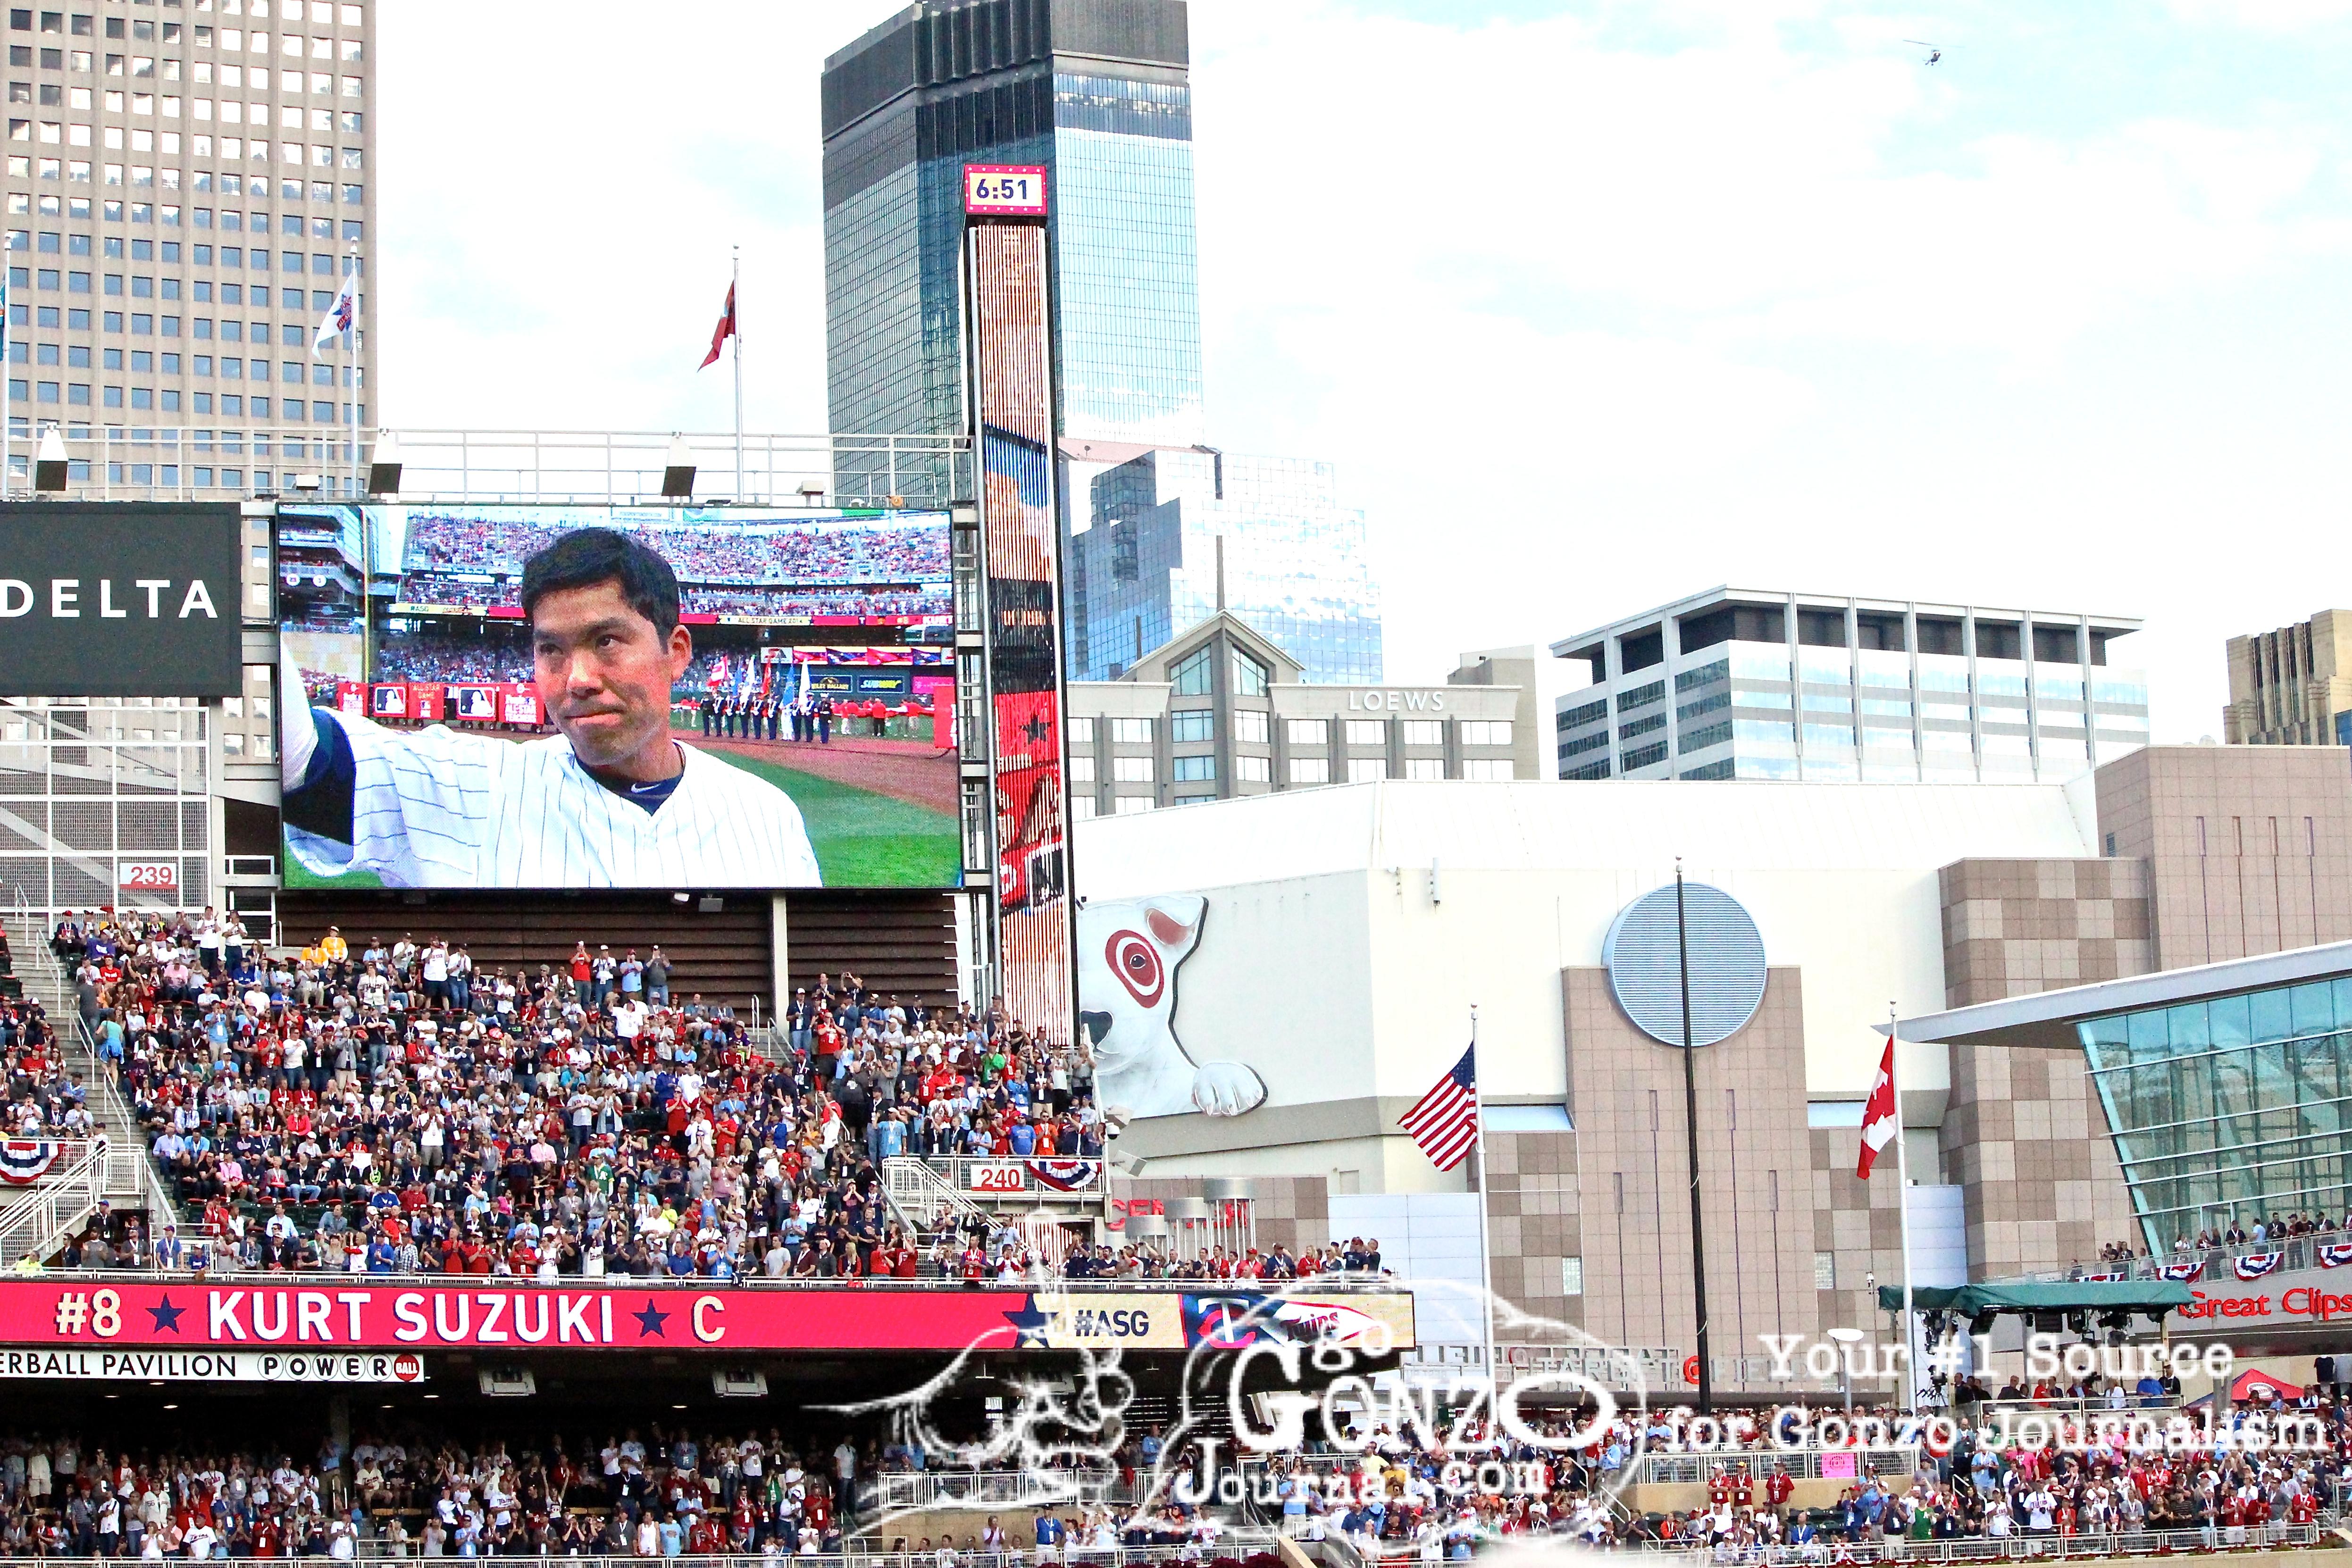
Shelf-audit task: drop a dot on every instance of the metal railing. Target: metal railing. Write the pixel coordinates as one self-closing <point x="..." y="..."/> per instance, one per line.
<point x="960" y="1171"/>
<point x="122" y="461"/>
<point x="902" y="1489"/>
<point x="2220" y="1263"/>
<point x="50" y="1212"/>
<point x="130" y="1173"/>
<point x="2008" y="1547"/>
<point x="1654" y="1468"/>
<point x="376" y="1548"/>
<point x="918" y="1193"/>
<point x="1045" y="1285"/>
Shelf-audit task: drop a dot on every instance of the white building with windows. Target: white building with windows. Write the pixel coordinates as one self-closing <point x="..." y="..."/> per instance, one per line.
<point x="1221" y="711"/>
<point x="188" y="186"/>
<point x="1761" y="683"/>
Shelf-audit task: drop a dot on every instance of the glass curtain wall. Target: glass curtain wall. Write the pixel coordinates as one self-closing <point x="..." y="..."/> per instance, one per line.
<point x="2000" y="710"/>
<point x="1889" y="755"/>
<point x="1764" y="739"/>
<point x="2231" y="1108"/>
<point x="1826" y="682"/>
<point x="1947" y="749"/>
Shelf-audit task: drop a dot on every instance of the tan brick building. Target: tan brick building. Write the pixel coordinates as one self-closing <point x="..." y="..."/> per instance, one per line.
<point x="2287" y="686"/>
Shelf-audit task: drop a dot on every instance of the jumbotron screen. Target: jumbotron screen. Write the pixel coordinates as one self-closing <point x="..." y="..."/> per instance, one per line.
<point x="513" y="698"/>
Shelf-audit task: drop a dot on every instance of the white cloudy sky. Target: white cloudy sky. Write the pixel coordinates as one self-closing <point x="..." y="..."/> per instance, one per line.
<point x="1595" y="304"/>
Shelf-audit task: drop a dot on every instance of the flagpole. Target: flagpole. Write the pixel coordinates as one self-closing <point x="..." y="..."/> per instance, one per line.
<point x="1903" y="1212"/>
<point x="1690" y="1128"/>
<point x="1486" y="1246"/>
<point x="735" y="309"/>
<point x="351" y="354"/>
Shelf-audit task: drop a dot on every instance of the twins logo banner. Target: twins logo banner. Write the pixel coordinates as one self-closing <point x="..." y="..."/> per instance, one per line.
<point x="48" y="1311"/>
<point x="1013" y="373"/>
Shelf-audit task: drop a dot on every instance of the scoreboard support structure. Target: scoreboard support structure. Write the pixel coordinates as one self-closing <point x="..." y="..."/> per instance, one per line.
<point x="1010" y="397"/>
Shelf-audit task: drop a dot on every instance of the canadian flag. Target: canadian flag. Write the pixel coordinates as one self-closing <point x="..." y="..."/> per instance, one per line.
<point x="1879" y="1119"/>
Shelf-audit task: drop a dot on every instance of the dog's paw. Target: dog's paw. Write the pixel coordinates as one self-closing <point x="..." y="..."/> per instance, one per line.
<point x="1226" y="1089"/>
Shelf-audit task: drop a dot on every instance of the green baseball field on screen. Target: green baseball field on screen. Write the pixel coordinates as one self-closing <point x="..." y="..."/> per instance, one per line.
<point x="863" y="838"/>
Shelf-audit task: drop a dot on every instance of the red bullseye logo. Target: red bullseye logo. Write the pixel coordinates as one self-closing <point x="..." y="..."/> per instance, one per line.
<point x="1136" y="962"/>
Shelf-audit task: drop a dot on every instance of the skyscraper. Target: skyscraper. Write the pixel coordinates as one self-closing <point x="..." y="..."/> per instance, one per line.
<point x="1096" y="91"/>
<point x="1179" y="533"/>
<point x="185" y="181"/>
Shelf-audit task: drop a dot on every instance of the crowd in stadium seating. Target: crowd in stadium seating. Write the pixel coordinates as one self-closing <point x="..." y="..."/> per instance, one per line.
<point x="2219" y="1490"/>
<point x="434" y="656"/>
<point x="395" y="1109"/>
<point x="443" y="657"/>
<point x="425" y="588"/>
<point x="42" y="1098"/>
<point x="707" y="550"/>
<point x="608" y="1492"/>
<point x="417" y="1493"/>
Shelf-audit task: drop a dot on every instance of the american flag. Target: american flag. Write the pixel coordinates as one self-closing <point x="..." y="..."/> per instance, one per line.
<point x="1445" y="1122"/>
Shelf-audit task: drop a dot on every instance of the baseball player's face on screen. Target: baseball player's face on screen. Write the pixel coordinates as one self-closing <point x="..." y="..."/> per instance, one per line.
<point x="606" y="675"/>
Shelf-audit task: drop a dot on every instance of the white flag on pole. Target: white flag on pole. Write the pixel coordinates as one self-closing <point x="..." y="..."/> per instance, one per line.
<point x="338" y="318"/>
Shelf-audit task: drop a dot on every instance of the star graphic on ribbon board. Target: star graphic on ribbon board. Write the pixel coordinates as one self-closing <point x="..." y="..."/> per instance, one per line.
<point x="166" y="1315"/>
<point x="1035" y="730"/>
<point x="650" y="1321"/>
<point x="1029" y="1324"/>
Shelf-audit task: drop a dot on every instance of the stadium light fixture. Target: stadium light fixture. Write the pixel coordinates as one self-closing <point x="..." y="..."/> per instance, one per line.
<point x="384" y="465"/>
<point x="678" y="478"/>
<point x="50" y="463"/>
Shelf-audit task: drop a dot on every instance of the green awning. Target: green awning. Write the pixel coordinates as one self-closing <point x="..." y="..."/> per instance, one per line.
<point x="2047" y="1296"/>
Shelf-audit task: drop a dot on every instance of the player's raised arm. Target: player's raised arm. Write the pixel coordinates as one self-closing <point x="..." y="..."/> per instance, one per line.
<point x="412" y="809"/>
<point x="314" y="761"/>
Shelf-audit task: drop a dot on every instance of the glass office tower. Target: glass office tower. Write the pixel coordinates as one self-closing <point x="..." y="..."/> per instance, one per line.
<point x="1178" y="532"/>
<point x="1095" y="90"/>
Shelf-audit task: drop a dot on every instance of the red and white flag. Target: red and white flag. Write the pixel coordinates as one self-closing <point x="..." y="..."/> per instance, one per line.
<point x="1445" y="1122"/>
<point x="720" y="333"/>
<point x="1879" y="1119"/>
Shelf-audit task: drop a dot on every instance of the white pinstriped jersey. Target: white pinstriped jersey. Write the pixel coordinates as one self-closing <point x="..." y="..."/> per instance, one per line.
<point x="434" y="807"/>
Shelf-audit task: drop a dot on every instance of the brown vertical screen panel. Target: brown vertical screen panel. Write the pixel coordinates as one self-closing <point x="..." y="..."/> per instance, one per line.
<point x="1013" y="371"/>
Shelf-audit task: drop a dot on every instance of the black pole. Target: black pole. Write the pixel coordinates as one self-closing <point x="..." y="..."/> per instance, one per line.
<point x="1690" y="1129"/>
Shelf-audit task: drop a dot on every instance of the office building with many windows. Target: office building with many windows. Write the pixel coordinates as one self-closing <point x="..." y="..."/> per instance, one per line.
<point x="1178" y="532"/>
<point x="2291" y="686"/>
<point x="1748" y="684"/>
<point x="187" y="183"/>
<point x="1093" y="90"/>
<point x="1221" y="711"/>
